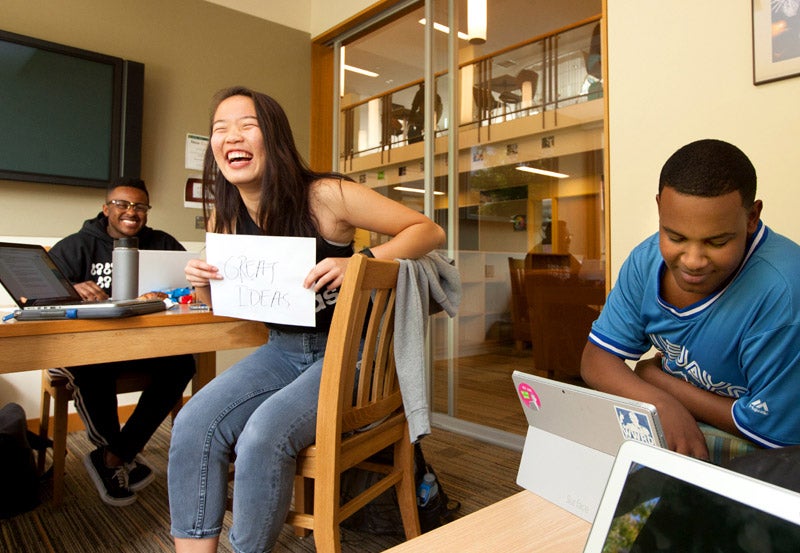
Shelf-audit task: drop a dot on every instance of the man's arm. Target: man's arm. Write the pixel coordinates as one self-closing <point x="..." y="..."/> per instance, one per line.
<point x="608" y="373"/>
<point x="705" y="406"/>
<point x="69" y="258"/>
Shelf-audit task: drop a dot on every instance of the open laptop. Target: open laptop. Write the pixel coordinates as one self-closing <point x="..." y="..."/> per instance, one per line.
<point x="162" y="270"/>
<point x="42" y="291"/>
<point x="657" y="496"/>
<point x="573" y="435"/>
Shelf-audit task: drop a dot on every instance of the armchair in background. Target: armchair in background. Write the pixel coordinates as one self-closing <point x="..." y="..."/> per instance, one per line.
<point x="563" y="307"/>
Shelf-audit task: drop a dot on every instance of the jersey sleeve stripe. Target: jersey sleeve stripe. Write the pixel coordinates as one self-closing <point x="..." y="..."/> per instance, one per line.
<point x="750" y="435"/>
<point x="612" y="347"/>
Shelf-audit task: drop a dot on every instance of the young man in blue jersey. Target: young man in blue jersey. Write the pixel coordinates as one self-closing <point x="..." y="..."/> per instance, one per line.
<point x="717" y="294"/>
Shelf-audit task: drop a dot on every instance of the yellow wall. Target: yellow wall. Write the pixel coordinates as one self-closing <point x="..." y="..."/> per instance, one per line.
<point x="681" y="71"/>
<point x="190" y="49"/>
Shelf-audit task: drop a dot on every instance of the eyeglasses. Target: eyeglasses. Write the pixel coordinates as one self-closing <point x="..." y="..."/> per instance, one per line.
<point x="124" y="205"/>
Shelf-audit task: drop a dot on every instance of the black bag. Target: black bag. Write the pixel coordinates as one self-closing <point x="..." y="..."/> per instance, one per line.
<point x="382" y="515"/>
<point x="779" y="466"/>
<point x="19" y="480"/>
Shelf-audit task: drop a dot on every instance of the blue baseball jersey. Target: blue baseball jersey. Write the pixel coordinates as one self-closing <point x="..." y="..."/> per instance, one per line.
<point x="743" y="341"/>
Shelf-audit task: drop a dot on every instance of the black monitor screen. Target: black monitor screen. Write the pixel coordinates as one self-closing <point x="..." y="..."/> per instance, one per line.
<point x="61" y="110"/>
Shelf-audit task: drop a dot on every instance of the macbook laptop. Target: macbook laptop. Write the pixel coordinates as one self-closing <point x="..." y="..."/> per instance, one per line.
<point x="162" y="270"/>
<point x="658" y="500"/>
<point x="573" y="435"/>
<point x="42" y="291"/>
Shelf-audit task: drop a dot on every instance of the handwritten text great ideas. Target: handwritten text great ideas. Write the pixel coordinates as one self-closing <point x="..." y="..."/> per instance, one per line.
<point x="262" y="277"/>
<point x="260" y="271"/>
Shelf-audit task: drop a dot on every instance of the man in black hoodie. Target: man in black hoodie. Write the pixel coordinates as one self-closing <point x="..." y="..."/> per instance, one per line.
<point x="116" y="468"/>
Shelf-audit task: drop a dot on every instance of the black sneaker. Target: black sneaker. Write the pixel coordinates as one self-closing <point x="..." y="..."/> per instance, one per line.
<point x="139" y="474"/>
<point x="111" y="482"/>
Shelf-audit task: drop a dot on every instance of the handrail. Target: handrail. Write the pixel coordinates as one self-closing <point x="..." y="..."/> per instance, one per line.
<point x="547" y="64"/>
<point x="461" y="65"/>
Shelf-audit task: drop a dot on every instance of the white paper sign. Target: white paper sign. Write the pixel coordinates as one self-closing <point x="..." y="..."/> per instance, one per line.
<point x="262" y="277"/>
<point x="195" y="151"/>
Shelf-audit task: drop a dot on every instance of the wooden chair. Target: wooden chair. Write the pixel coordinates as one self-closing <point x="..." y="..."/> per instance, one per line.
<point x="55" y="387"/>
<point x="485" y="102"/>
<point x="520" y="316"/>
<point x="546" y="261"/>
<point x="563" y="308"/>
<point x="360" y="410"/>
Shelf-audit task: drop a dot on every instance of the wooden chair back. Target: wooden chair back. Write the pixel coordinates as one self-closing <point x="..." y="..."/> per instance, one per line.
<point x="520" y="316"/>
<point x="360" y="409"/>
<point x="563" y="308"/>
<point x="552" y="262"/>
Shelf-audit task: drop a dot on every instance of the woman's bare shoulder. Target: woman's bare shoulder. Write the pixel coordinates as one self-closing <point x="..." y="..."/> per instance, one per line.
<point x="328" y="185"/>
<point x="329" y="192"/>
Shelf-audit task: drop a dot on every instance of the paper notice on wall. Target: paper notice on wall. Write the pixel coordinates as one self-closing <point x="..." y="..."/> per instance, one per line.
<point x="195" y="151"/>
<point x="263" y="277"/>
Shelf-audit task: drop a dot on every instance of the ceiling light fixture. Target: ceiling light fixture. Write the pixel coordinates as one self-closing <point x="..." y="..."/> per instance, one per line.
<point x="476" y="21"/>
<point x="416" y="190"/>
<point x="360" y="71"/>
<point x="445" y="29"/>
<point x="542" y="172"/>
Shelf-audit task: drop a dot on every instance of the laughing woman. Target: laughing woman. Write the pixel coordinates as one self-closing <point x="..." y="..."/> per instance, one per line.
<point x="262" y="410"/>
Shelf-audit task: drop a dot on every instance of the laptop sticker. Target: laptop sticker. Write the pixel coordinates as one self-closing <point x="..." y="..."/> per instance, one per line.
<point x="528" y="396"/>
<point x="634" y="426"/>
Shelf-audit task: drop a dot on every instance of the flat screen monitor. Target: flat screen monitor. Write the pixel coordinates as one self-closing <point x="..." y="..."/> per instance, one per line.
<point x="67" y="116"/>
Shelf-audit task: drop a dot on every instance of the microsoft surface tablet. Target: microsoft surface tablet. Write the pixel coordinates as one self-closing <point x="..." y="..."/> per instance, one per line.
<point x="573" y="435"/>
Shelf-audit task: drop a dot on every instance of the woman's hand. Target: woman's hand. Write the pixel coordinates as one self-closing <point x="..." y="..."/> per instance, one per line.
<point x="328" y="273"/>
<point x="200" y="274"/>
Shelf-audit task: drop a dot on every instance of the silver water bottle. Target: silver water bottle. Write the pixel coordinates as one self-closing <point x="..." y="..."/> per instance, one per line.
<point x="125" y="268"/>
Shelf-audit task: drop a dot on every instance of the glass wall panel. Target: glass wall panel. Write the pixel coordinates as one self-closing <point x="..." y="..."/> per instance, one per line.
<point x="529" y="232"/>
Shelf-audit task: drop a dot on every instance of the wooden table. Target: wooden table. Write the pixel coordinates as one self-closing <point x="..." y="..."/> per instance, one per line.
<point x="521" y="523"/>
<point x="34" y="345"/>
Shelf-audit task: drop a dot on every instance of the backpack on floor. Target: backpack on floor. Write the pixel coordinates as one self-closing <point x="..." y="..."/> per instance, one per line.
<point x="382" y="515"/>
<point x="19" y="480"/>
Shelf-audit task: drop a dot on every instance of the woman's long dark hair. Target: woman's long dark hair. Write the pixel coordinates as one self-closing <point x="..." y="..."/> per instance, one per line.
<point x="283" y="206"/>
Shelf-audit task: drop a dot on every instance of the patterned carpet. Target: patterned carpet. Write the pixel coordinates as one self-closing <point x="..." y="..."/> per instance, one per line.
<point x="472" y="472"/>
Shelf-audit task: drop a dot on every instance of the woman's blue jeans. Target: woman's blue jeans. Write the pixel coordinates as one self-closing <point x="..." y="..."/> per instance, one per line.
<point x="263" y="409"/>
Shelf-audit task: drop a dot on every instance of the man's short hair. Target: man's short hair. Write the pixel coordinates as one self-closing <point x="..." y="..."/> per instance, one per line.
<point x="710" y="168"/>
<point x="131" y="182"/>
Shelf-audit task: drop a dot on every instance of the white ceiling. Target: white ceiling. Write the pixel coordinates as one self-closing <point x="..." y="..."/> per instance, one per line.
<point x="291" y="13"/>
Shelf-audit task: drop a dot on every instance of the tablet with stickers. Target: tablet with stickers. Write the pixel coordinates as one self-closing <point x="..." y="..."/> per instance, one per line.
<point x="573" y="435"/>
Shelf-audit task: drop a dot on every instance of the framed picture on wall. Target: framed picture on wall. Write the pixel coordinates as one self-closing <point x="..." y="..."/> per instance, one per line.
<point x="776" y="40"/>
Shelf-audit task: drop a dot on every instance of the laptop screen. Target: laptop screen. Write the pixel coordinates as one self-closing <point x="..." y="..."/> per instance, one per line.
<point x="658" y="500"/>
<point x="31" y="277"/>
<point x="659" y="512"/>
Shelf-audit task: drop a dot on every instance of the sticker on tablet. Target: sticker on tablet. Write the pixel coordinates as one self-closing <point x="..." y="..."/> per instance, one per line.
<point x="528" y="396"/>
<point x="634" y="426"/>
